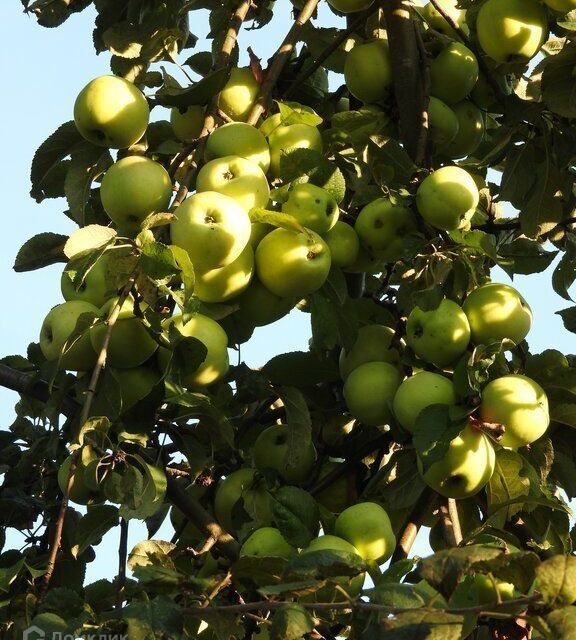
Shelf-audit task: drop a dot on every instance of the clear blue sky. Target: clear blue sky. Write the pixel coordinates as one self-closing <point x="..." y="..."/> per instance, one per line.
<point x="44" y="71"/>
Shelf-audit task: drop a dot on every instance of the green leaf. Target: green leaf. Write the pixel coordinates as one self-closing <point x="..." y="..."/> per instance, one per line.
<point x="150" y="552"/>
<point x="295" y="513"/>
<point x="433" y="432"/>
<point x="325" y="564"/>
<point x="161" y="615"/>
<point x="524" y="256"/>
<point x="404" y="596"/>
<point x="556" y="581"/>
<point x="388" y="157"/>
<point x="519" y="568"/>
<point x="98" y="520"/>
<point x="564" y="275"/>
<point x="151" y="494"/>
<point x="199" y="93"/>
<point x="87" y="239"/>
<point x="568" y="318"/>
<point x="40" y="251"/>
<point x="291" y="622"/>
<point x="300" y="369"/>
<point x="508" y="482"/>
<point x="558" y="83"/>
<point x="562" y="623"/>
<point x="299" y="423"/>
<point x="158" y="262"/>
<point x="282" y="220"/>
<point x="422" y="625"/>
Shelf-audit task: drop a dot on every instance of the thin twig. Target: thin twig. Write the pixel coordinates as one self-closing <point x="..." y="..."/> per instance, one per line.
<point x="455" y="518"/>
<point x="225" y="582"/>
<point x="422" y="142"/>
<point x="451" y="528"/>
<point x="122" y="556"/>
<point x="423" y="506"/>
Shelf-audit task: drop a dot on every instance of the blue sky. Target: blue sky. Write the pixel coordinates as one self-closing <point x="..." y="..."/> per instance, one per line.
<point x="44" y="71"/>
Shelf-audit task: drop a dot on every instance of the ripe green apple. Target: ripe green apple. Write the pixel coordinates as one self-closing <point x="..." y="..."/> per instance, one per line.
<point x="292" y="264"/>
<point x="312" y="206"/>
<point x="213" y="337"/>
<point x="94" y="289"/>
<point x="79" y="492"/>
<point x="133" y="188"/>
<point x="489" y="590"/>
<point x="219" y="285"/>
<point x="366" y="263"/>
<point x="111" y="112"/>
<point x="442" y="122"/>
<point x="130" y="343"/>
<point x="439" y="336"/>
<point x="235" y="177"/>
<point x="257" y="231"/>
<point x="512" y="30"/>
<point x="242" y="485"/>
<point x="270" y="452"/>
<point x="267" y="542"/>
<point x="187" y="123"/>
<point x="471" y="130"/>
<point x="340" y="493"/>
<point x="562" y="6"/>
<point x="239" y="94"/>
<point x="135" y="384"/>
<point x="518" y="403"/>
<point x="350" y="6"/>
<point x="344" y="244"/>
<point x="259" y="306"/>
<point x="453" y="73"/>
<point x="447" y="198"/>
<point x="466" y="467"/>
<point x="437" y="21"/>
<point x="287" y="138"/>
<point x="239" y="139"/>
<point x="497" y="311"/>
<point x="373" y="344"/>
<point x="368" y="71"/>
<point x="369" y="391"/>
<point x="352" y="586"/>
<point x="382" y="228"/>
<point x="366" y="525"/>
<point x="212" y="228"/>
<point x="59" y="325"/>
<point x="419" y="391"/>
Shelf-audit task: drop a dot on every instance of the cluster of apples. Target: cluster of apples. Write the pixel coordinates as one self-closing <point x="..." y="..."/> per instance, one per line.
<point x="376" y="393"/>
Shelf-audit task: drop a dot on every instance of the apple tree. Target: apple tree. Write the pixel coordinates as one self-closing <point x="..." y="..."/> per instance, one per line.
<point x="380" y="205"/>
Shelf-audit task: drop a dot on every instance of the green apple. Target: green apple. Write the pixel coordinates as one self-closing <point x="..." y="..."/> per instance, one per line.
<point x="344" y="244"/>
<point x="292" y="264"/>
<point x="340" y="493"/>
<point x="419" y="391"/>
<point x="257" y="231"/>
<point x="312" y="206"/>
<point x="368" y="71"/>
<point x="447" y="198"/>
<point x="58" y="340"/>
<point x="111" y="112"/>
<point x="271" y="449"/>
<point x="382" y="228"/>
<point x="562" y="6"/>
<point x="512" y="30"/>
<point x="350" y="6"/>
<point x="466" y="467"/>
<point x="489" y="590"/>
<point x="373" y="344"/>
<point x="242" y="485"/>
<point x="212" y="228"/>
<point x="239" y="94"/>
<point x="94" y="288"/>
<point x="79" y="492"/>
<point x="187" y="123"/>
<point x="219" y="285"/>
<point x="366" y="263"/>
<point x="235" y="177"/>
<point x="497" y="311"/>
<point x="287" y="138"/>
<point x="267" y="542"/>
<point x="352" y="586"/>
<point x="518" y="403"/>
<point x="239" y="139"/>
<point x="442" y="122"/>
<point x="135" y="384"/>
<point x="130" y="344"/>
<point x="453" y="73"/>
<point x="369" y="391"/>
<point x="437" y="21"/>
<point x="133" y="188"/>
<point x="213" y="337"/>
<point x="471" y="130"/>
<point x="259" y="306"/>
<point x="366" y="525"/>
<point x="439" y="336"/>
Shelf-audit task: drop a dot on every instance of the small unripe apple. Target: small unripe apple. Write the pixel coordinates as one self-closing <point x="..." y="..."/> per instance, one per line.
<point x="219" y="285"/>
<point x="344" y="244"/>
<point x="111" y="112"/>
<point x="239" y="139"/>
<point x="257" y="231"/>
<point x="369" y="391"/>
<point x="437" y="21"/>
<point x="340" y="493"/>
<point x="350" y="6"/>
<point x="94" y="289"/>
<point x="497" y="311"/>
<point x="442" y="121"/>
<point x="56" y="335"/>
<point x="512" y="30"/>
<point x="453" y="73"/>
<point x="267" y="542"/>
<point x="235" y="177"/>
<point x="259" y="306"/>
<point x="292" y="264"/>
<point x="212" y="228"/>
<point x="373" y="344"/>
<point x="312" y="206"/>
<point x="562" y="6"/>
<point x="518" y="403"/>
<point x="439" y="336"/>
<point x="239" y="94"/>
<point x="366" y="525"/>
<point x="447" y="198"/>
<point x="187" y="123"/>
<point x="489" y="590"/>
<point x="470" y="134"/>
<point x="132" y="189"/>
<point x="466" y="467"/>
<point x="368" y="71"/>
<point x="287" y="138"/>
<point x="419" y="391"/>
